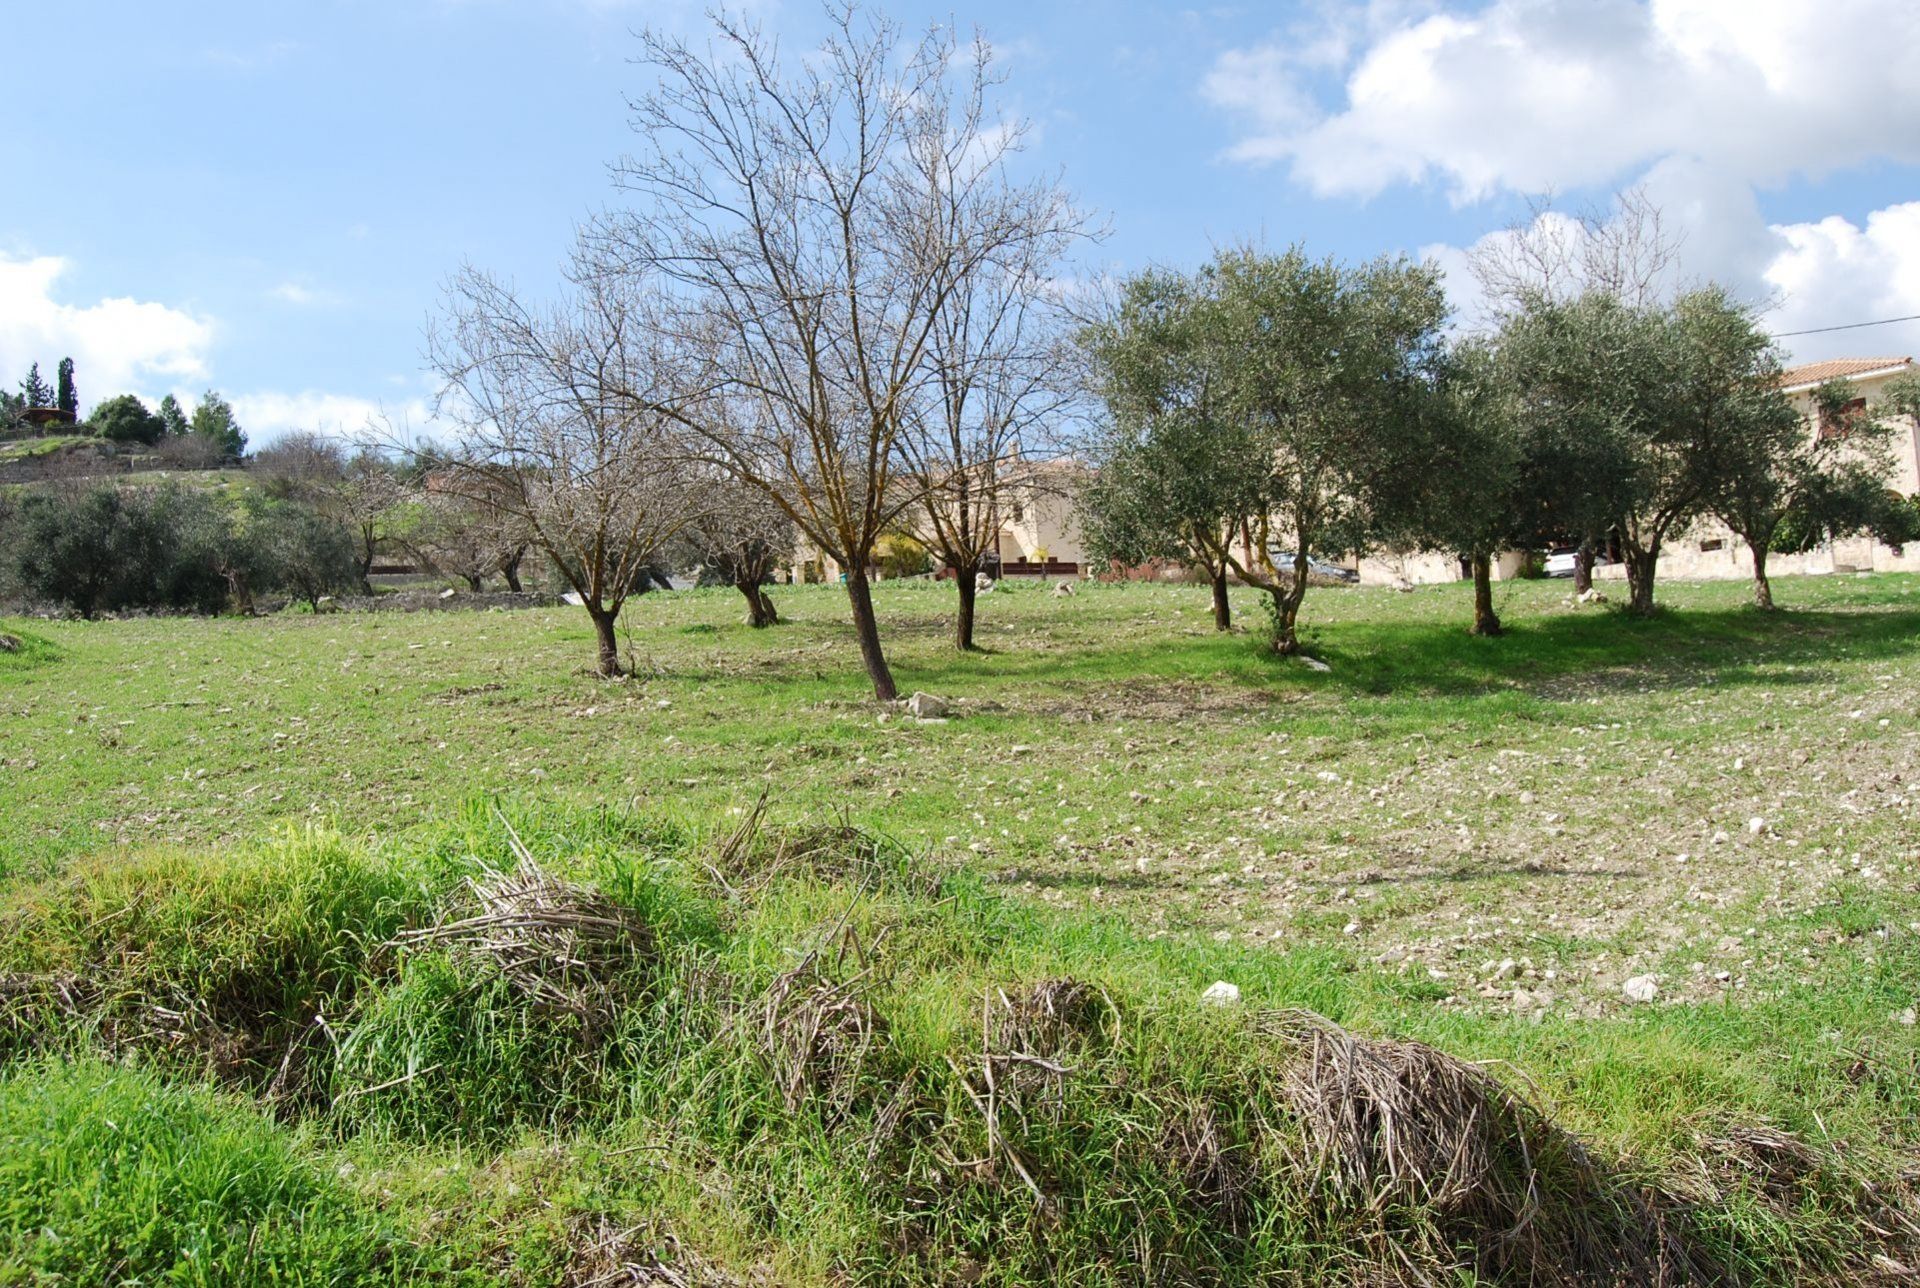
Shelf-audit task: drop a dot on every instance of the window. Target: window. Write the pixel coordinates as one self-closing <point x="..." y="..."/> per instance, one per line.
<point x="1839" y="424"/>
<point x="1707" y="547"/>
<point x="1019" y="512"/>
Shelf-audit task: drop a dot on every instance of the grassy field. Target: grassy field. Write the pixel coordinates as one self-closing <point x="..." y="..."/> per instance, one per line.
<point x="1469" y="843"/>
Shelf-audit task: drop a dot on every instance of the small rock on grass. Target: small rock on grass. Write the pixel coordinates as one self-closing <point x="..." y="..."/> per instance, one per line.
<point x="1220" y="993"/>
<point x="9" y="644"/>
<point x="1641" y="988"/>
<point x="924" y="706"/>
<point x="1315" y="664"/>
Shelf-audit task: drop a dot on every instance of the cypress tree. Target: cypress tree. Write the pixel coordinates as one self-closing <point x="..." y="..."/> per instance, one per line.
<point x="68" y="398"/>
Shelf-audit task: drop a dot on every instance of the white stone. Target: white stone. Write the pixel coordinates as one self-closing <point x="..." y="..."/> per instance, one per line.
<point x="925" y="706"/>
<point x="1756" y="825"/>
<point x="1221" y="993"/>
<point x="1315" y="664"/>
<point x="1641" y="988"/>
<point x="447" y="593"/>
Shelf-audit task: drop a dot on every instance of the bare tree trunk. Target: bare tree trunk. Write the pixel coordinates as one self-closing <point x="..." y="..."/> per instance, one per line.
<point x="1583" y="567"/>
<point x="1762" y="588"/>
<point x="510" y="569"/>
<point x="1222" y="607"/>
<point x="867" y="628"/>
<point x="760" y="610"/>
<point x="474" y="583"/>
<point x="967" y="578"/>
<point x="609" y="643"/>
<point x="1485" y="620"/>
<point x="1640" y="570"/>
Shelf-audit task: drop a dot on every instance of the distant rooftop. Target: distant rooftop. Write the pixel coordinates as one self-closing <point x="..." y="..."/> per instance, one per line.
<point x="1809" y="374"/>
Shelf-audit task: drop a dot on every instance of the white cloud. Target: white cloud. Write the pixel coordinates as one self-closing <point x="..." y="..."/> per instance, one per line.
<point x="118" y="345"/>
<point x="1803" y="276"/>
<point x="267" y="415"/>
<point x="301" y="295"/>
<point x="1834" y="272"/>
<point x="1529" y="95"/>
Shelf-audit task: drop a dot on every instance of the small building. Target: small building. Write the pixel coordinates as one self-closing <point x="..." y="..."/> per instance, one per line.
<point x="48" y="417"/>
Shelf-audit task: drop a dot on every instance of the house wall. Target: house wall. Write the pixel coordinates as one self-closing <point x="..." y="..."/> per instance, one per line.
<point x="1390" y="568"/>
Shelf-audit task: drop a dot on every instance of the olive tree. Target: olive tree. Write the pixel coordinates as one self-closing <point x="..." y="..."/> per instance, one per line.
<point x="1787" y="484"/>
<point x="1462" y="486"/>
<point x="1323" y="367"/>
<point x="1156" y="490"/>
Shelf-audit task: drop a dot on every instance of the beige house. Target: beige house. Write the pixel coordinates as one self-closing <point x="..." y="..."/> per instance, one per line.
<point x="1036" y="533"/>
<point x="1709" y="551"/>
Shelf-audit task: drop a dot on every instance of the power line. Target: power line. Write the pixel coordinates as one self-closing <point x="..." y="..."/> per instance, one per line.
<point x="1851" y="326"/>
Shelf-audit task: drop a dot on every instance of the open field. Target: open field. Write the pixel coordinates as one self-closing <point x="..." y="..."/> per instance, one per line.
<point x="1472" y="843"/>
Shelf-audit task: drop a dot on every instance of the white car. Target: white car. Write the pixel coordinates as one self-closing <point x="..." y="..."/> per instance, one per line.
<point x="1283" y="560"/>
<point x="1560" y="562"/>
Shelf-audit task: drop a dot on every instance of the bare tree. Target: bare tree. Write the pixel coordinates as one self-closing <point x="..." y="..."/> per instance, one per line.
<point x="740" y="537"/>
<point x="468" y="539"/>
<point x="1625" y="250"/>
<point x="365" y="496"/>
<point x="565" y="430"/>
<point x="814" y="216"/>
<point x="977" y="434"/>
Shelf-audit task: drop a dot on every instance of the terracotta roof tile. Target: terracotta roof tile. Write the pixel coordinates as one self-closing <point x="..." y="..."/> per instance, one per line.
<point x="1812" y="373"/>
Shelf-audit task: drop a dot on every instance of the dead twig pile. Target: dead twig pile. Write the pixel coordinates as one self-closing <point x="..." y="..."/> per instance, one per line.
<point x="754" y="855"/>
<point x="1446" y="1164"/>
<point x="607" y="1255"/>
<point x="562" y="947"/>
<point x="817" y="1029"/>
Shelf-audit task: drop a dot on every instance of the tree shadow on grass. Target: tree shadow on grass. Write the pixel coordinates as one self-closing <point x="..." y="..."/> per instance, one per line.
<point x="1564" y="656"/>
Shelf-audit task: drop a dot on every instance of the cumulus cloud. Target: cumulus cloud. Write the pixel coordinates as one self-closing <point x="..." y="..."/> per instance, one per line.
<point x="269" y="415"/>
<point x="1803" y="277"/>
<point x="1528" y="95"/>
<point x="1833" y="271"/>
<point x="117" y="344"/>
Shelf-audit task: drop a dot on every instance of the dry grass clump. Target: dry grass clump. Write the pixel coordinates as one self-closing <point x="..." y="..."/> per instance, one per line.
<point x="755" y="854"/>
<point x="1217" y="1173"/>
<point x="816" y="1030"/>
<point x="563" y="948"/>
<point x="605" y="1254"/>
<point x="1445" y="1167"/>
<point x="1781" y="1171"/>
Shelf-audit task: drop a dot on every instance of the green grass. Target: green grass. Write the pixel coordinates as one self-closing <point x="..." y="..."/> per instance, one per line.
<point x="1125" y="798"/>
<point x="112" y="1176"/>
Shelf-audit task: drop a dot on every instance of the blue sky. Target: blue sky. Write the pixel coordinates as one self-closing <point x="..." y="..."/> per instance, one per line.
<point x="265" y="197"/>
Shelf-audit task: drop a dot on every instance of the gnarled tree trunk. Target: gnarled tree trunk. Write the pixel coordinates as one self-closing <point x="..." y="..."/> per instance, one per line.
<point x="1222" y="607"/>
<point x="1583" y="568"/>
<point x="1640" y="572"/>
<point x="609" y="643"/>
<point x="866" y="627"/>
<point x="760" y="610"/>
<point x="1762" y="588"/>
<point x="1485" y="620"/>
